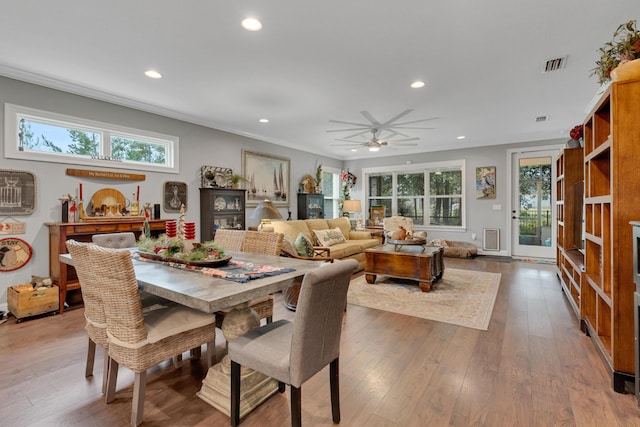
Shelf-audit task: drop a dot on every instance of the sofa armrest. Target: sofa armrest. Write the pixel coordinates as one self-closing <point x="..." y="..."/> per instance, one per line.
<point x="359" y="235"/>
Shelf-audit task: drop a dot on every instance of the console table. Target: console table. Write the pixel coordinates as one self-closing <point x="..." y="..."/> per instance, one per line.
<point x="64" y="275"/>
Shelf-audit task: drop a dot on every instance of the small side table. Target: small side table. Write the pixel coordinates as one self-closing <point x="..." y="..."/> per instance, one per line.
<point x="376" y="233"/>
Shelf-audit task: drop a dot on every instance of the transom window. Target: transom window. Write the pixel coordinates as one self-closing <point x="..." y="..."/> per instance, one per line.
<point x="431" y="194"/>
<point x="50" y="137"/>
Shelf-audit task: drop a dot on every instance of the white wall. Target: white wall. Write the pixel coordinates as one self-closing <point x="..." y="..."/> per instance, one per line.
<point x="198" y="146"/>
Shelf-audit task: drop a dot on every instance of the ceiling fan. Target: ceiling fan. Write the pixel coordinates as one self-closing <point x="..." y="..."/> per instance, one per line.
<point x="391" y="128"/>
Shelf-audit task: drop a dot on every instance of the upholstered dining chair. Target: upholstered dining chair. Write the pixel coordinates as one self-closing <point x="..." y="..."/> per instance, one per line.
<point x="292" y="352"/>
<point x="256" y="242"/>
<point x="121" y="240"/>
<point x="139" y="341"/>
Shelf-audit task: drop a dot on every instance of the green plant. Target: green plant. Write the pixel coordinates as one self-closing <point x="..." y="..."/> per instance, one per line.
<point x="623" y="47"/>
<point x="236" y="179"/>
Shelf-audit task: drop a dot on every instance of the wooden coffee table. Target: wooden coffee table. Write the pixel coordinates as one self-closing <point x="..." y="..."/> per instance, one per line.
<point x="424" y="265"/>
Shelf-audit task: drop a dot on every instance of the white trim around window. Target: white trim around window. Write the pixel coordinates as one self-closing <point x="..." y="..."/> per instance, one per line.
<point x="13" y="114"/>
<point x="426" y="168"/>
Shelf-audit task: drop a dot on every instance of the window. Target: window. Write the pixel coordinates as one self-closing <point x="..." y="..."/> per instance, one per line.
<point x="431" y="194"/>
<point x="331" y="191"/>
<point x="38" y="135"/>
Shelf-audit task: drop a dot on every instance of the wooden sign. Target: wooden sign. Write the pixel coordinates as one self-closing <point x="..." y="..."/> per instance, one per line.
<point x="13" y="227"/>
<point x="14" y="254"/>
<point x="122" y="176"/>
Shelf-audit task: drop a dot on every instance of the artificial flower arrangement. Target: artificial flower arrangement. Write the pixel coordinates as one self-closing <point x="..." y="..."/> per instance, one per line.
<point x="173" y="247"/>
<point x="577" y="132"/>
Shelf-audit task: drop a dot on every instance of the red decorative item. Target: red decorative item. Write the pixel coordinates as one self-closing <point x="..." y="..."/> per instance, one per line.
<point x="171" y="229"/>
<point x="577" y="132"/>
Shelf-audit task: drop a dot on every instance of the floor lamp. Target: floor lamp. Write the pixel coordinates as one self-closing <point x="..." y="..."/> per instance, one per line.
<point x="355" y="207"/>
<point x="265" y="212"/>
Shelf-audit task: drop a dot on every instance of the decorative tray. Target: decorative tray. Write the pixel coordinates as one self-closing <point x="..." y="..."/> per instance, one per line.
<point x="202" y="263"/>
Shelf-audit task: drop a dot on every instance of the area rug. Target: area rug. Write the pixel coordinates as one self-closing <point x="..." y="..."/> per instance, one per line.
<point x="462" y="297"/>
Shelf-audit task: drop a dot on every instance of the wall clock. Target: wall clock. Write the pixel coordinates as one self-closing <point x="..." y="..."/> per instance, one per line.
<point x="14" y="253"/>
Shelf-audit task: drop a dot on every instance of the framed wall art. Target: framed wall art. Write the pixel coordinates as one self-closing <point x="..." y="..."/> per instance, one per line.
<point x="174" y="195"/>
<point x="17" y="192"/>
<point x="268" y="178"/>
<point x="486" y="182"/>
<point x="376" y="215"/>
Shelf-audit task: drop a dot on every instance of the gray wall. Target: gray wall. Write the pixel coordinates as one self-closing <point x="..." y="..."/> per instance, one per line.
<point x="199" y="146"/>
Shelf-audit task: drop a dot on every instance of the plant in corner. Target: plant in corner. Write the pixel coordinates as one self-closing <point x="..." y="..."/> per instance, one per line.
<point x="623" y="47"/>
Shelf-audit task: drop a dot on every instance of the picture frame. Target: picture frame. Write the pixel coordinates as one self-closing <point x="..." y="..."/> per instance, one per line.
<point x="376" y="216"/>
<point x="17" y="192"/>
<point x="174" y="195"/>
<point x="268" y="178"/>
<point x="486" y="182"/>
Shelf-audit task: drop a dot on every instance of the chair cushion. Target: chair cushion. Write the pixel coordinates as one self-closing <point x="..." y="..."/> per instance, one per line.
<point x="266" y="349"/>
<point x="303" y="245"/>
<point x="329" y="237"/>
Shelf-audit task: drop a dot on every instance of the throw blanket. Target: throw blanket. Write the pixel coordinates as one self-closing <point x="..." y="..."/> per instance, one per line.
<point x="236" y="271"/>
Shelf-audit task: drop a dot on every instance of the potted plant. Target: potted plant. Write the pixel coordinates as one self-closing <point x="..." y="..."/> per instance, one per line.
<point x="236" y="179"/>
<point x="624" y="47"/>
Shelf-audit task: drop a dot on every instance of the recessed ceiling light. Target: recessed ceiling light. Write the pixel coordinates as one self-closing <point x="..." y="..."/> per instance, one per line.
<point x="374" y="148"/>
<point x="153" y="74"/>
<point x="251" y="24"/>
<point x="460" y="137"/>
<point x="417" y="84"/>
<point x="354" y="149"/>
<point x="264" y="120"/>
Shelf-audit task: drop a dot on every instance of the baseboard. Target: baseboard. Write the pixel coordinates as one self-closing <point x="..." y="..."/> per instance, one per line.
<point x="493" y="253"/>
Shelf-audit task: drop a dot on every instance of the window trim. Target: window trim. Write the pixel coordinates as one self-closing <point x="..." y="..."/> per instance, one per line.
<point x="336" y="196"/>
<point x="11" y="142"/>
<point x="425" y="168"/>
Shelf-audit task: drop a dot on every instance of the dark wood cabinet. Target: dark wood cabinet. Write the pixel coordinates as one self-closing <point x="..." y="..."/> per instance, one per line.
<point x="221" y="208"/>
<point x="64" y="275"/>
<point x="310" y="205"/>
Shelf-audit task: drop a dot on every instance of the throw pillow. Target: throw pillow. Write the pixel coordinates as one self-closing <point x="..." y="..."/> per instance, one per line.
<point x="329" y="237"/>
<point x="288" y="245"/>
<point x="303" y="246"/>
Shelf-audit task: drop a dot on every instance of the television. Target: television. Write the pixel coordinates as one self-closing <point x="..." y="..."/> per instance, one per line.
<point x="579" y="213"/>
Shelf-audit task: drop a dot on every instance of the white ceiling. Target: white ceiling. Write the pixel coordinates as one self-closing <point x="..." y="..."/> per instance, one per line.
<point x="324" y="60"/>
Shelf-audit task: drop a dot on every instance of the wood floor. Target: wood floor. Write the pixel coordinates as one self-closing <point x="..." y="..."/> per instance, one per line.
<point x="533" y="367"/>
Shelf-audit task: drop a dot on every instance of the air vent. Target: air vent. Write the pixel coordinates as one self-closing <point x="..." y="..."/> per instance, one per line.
<point x="542" y="119"/>
<point x="554" y="64"/>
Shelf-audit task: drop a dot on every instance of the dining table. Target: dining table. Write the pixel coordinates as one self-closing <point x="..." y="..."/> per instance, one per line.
<point x="211" y="294"/>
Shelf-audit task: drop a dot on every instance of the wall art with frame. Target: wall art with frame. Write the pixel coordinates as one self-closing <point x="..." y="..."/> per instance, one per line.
<point x="268" y="178"/>
<point x="174" y="195"/>
<point x="376" y="216"/>
<point x="17" y="192"/>
<point x="486" y="182"/>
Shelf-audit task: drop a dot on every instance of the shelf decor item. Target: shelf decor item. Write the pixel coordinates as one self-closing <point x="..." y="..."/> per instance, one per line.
<point x="623" y="48"/>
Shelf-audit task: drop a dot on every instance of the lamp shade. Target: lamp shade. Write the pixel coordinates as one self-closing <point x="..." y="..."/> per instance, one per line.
<point x="265" y="210"/>
<point x="351" y="206"/>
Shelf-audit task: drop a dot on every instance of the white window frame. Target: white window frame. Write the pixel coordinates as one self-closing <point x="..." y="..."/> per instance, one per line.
<point x="13" y="114"/>
<point x="336" y="191"/>
<point x="424" y="168"/>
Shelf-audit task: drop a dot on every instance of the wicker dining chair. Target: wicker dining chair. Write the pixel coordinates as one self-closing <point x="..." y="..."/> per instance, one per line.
<point x="256" y="242"/>
<point x="138" y="341"/>
<point x="95" y="318"/>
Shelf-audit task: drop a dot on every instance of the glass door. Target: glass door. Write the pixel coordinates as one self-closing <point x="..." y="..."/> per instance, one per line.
<point x="533" y="213"/>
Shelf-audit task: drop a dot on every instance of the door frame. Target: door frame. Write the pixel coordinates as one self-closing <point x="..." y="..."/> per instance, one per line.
<point x="510" y="183"/>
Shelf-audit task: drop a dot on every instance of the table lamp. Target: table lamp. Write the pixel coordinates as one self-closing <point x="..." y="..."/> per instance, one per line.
<point x="265" y="212"/>
<point x="354" y="206"/>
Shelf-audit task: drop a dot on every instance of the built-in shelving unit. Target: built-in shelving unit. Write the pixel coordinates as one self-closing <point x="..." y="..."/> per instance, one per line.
<point x="569" y="210"/>
<point x="612" y="200"/>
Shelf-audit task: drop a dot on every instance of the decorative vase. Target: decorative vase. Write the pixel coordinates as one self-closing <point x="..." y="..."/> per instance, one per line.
<point x="627" y="71"/>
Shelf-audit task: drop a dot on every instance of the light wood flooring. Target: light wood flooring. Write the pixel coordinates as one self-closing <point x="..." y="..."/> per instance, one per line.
<point x="533" y="367"/>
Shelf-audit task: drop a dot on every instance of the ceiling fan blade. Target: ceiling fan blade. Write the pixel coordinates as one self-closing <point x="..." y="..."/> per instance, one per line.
<point x="352" y="142"/>
<point x="404" y="140"/>
<point x="348" y="130"/>
<point x="410" y="127"/>
<point x="342" y="122"/>
<point x="389" y="122"/>
<point x="352" y="145"/>
<point x="357" y="134"/>
<point x="416" y="121"/>
<point x="367" y="115"/>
